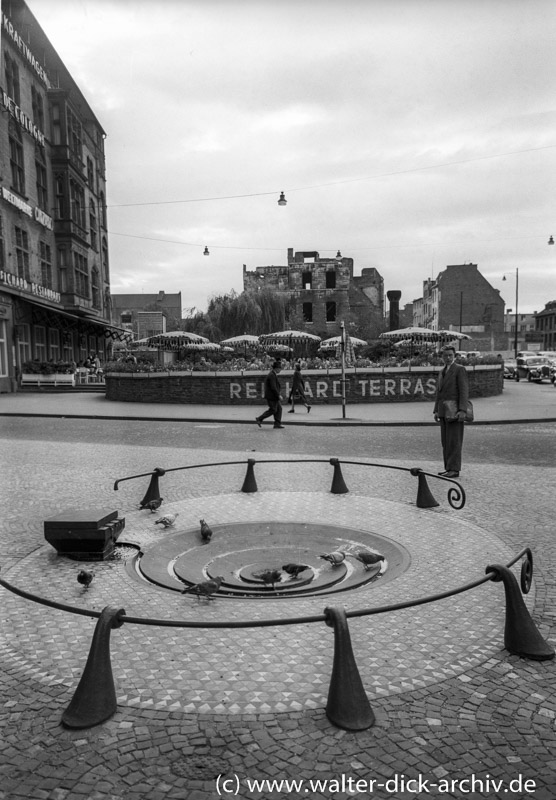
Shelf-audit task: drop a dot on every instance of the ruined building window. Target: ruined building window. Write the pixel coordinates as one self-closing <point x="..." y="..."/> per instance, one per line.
<point x="331" y="312"/>
<point x="307" y="280"/>
<point x="330" y="279"/>
<point x="307" y="312"/>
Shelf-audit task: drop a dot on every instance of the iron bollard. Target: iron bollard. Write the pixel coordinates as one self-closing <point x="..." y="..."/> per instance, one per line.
<point x="250" y="484"/>
<point x="521" y="635"/>
<point x="425" y="498"/>
<point x="338" y="483"/>
<point x="348" y="706"/>
<point x="94" y="700"/>
<point x="153" y="492"/>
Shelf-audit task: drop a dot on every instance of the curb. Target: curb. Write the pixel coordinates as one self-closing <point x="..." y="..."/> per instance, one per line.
<point x="294" y="423"/>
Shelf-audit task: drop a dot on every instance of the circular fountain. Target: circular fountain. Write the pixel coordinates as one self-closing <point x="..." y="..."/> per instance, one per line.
<point x="250" y="557"/>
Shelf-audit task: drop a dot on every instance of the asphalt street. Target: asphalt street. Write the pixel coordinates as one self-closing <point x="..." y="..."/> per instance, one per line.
<point x="532" y="444"/>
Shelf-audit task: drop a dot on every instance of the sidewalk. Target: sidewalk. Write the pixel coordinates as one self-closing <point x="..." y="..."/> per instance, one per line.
<point x="520" y="402"/>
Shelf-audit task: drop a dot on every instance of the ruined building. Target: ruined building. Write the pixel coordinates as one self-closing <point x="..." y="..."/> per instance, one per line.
<point x="323" y="292"/>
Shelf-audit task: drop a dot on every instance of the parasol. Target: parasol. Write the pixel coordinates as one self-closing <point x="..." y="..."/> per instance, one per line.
<point x="451" y="335"/>
<point x="246" y="340"/>
<point x="413" y="334"/>
<point x="287" y="337"/>
<point x="174" y="340"/>
<point x="331" y="344"/>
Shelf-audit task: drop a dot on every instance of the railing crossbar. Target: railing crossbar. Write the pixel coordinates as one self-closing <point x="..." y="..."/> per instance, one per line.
<point x="174" y="623"/>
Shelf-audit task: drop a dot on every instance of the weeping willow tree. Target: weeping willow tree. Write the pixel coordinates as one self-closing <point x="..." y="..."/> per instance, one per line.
<point x="253" y="312"/>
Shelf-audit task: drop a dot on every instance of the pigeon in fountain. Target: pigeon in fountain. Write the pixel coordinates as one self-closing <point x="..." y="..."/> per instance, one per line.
<point x="166" y="520"/>
<point x="152" y="505"/>
<point x="294" y="569"/>
<point x="368" y="559"/>
<point x="271" y="576"/>
<point x="85" y="577"/>
<point x="334" y="558"/>
<point x="206" y="588"/>
<point x="206" y="532"/>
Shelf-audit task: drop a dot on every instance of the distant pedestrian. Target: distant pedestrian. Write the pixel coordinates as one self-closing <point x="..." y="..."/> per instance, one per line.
<point x="272" y="396"/>
<point x="298" y="390"/>
<point x="452" y="394"/>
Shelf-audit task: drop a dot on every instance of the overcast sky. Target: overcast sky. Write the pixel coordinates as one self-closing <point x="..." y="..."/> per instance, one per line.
<point x="409" y="134"/>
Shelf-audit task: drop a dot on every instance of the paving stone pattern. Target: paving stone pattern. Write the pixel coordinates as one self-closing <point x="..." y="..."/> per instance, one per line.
<point x="449" y="701"/>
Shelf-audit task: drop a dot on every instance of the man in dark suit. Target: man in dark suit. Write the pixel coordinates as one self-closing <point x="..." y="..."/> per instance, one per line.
<point x="272" y="397"/>
<point x="452" y="385"/>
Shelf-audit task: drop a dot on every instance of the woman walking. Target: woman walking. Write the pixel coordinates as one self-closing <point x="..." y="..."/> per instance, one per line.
<point x="298" y="390"/>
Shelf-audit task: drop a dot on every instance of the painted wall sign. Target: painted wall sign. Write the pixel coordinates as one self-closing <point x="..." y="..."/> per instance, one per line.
<point x="36" y="213"/>
<point x="328" y="387"/>
<point x="26" y="122"/>
<point x="8" y="279"/>
<point x="24" y="49"/>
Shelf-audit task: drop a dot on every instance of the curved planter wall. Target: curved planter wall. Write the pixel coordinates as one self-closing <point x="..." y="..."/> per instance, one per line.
<point x="370" y="385"/>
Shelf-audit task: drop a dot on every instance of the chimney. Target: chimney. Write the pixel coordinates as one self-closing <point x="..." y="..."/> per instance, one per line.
<point x="394" y="298"/>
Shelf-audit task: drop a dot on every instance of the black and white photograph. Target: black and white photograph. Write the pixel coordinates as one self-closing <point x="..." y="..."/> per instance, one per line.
<point x="277" y="399"/>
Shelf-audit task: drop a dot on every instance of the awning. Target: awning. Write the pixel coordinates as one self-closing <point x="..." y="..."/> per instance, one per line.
<point x="64" y="321"/>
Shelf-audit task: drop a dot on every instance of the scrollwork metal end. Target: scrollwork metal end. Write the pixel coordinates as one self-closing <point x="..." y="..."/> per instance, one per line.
<point x="456" y="496"/>
<point x="526" y="577"/>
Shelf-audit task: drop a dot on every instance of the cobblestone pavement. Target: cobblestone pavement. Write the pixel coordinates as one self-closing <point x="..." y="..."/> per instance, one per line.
<point x="450" y="703"/>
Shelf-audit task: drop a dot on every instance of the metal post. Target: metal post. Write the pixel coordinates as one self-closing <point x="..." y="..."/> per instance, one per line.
<point x="516" y="309"/>
<point x="343" y="354"/>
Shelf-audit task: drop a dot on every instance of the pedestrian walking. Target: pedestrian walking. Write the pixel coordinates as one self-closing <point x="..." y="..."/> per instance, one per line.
<point x="272" y="396"/>
<point x="452" y="394"/>
<point x="298" y="390"/>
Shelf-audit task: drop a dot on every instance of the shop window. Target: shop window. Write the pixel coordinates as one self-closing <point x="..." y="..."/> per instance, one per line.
<point x="330" y="279"/>
<point x="307" y="312"/>
<point x="3" y="349"/>
<point x="331" y="312"/>
<point x="39" y="335"/>
<point x="24" y="342"/>
<point x="2" y="251"/>
<point x="54" y="344"/>
<point x="307" y="280"/>
<point x="67" y="346"/>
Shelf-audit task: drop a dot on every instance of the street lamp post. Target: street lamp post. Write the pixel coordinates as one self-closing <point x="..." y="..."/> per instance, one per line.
<point x="516" y="307"/>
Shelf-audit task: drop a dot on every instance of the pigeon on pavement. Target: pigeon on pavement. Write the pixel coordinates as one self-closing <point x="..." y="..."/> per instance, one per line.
<point x="166" y="520"/>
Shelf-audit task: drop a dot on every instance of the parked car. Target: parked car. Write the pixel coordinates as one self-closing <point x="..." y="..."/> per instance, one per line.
<point x="509" y="367"/>
<point x="533" y="369"/>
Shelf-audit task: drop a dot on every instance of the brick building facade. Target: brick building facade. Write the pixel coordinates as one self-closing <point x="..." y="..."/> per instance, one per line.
<point x="147" y="314"/>
<point x="54" y="271"/>
<point x="461" y="299"/>
<point x="546" y="325"/>
<point x="323" y="292"/>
